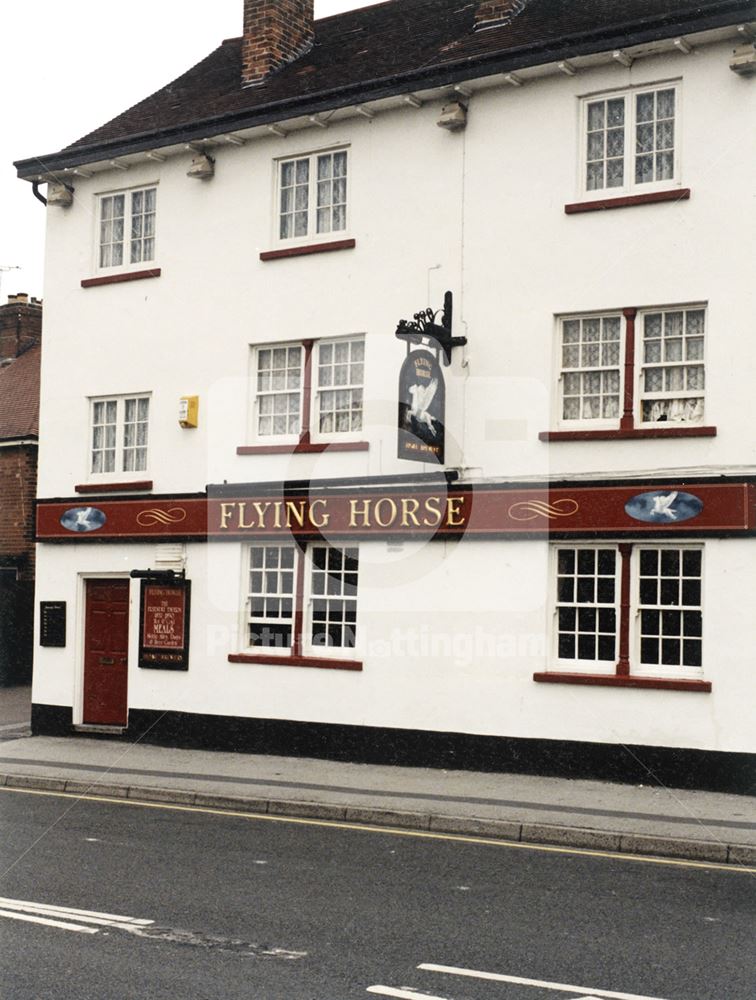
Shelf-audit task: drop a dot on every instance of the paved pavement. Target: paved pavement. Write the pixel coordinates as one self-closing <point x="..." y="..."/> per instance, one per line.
<point x="645" y="819"/>
<point x="15" y="711"/>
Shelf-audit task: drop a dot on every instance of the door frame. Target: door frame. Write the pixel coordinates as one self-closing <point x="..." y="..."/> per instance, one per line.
<point x="81" y="636"/>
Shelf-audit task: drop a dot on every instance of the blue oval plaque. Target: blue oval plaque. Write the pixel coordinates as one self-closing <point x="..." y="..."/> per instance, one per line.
<point x="664" y="507"/>
<point x="83" y="519"/>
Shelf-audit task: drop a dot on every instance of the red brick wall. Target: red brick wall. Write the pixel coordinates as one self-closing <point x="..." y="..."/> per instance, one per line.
<point x="20" y="325"/>
<point x="275" y="33"/>
<point x="18" y="486"/>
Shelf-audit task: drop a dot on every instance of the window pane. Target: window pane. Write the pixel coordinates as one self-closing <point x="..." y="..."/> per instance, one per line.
<point x="586" y="612"/>
<point x="644" y="107"/>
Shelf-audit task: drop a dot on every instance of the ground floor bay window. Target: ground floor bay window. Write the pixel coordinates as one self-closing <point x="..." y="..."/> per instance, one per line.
<point x="627" y="614"/>
<point x="301" y="605"/>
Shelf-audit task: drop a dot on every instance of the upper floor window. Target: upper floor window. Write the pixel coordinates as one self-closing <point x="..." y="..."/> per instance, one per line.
<point x="119" y="434"/>
<point x="127" y="227"/>
<point x="630" y="139"/>
<point x="312" y="193"/>
<point x="314" y="388"/>
<point x="632" y="367"/>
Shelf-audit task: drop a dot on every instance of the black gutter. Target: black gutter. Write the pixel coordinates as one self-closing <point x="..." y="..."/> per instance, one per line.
<point x="429" y="76"/>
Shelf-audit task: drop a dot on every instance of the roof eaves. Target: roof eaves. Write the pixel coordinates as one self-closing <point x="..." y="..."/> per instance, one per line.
<point x="432" y="75"/>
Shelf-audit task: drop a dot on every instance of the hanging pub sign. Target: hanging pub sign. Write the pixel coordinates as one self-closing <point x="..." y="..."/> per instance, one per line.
<point x="422" y="391"/>
<point x="422" y="406"/>
<point x="164" y="625"/>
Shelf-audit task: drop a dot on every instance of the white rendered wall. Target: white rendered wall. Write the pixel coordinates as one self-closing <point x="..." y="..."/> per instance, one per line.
<point x="450" y="635"/>
<point x="480" y="213"/>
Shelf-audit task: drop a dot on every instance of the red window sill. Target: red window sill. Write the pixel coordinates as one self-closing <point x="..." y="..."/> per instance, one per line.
<point x="627" y="201"/>
<point x="309" y="248"/>
<point x="302" y="448"/>
<point x="140" y="487"/>
<point x="624" y="680"/>
<point x="321" y="662"/>
<point x="636" y="433"/>
<point x="114" y="279"/>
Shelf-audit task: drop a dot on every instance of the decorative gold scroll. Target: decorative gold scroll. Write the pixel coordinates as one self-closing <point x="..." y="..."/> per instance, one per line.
<point x="174" y="515"/>
<point x="529" y="510"/>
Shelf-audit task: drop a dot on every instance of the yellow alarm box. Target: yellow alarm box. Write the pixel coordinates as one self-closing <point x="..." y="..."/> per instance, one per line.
<point x="188" y="411"/>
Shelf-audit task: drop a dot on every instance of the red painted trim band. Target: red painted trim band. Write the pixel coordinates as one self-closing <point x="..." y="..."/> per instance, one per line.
<point x="302" y="448"/>
<point x="636" y="433"/>
<point x="139" y="487"/>
<point x="296" y="661"/>
<point x="114" y="279"/>
<point x="620" y="680"/>
<point x="627" y="201"/>
<point x="311" y="248"/>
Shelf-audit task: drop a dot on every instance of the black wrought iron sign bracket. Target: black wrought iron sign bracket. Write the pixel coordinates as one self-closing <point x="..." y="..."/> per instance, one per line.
<point x="424" y="328"/>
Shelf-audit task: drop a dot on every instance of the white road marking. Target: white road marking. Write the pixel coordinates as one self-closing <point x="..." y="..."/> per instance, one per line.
<point x="67" y="911"/>
<point x="389" y="991"/>
<point x="48" y="923"/>
<point x="543" y="984"/>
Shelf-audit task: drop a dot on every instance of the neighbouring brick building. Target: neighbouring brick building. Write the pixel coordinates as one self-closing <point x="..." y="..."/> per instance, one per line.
<point x="20" y="333"/>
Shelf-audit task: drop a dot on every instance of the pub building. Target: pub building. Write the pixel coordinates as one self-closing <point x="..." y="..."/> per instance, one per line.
<point x="415" y="430"/>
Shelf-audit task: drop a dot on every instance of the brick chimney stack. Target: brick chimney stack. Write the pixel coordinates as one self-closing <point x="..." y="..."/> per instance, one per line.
<point x="275" y="33"/>
<point x="20" y="325"/>
<point x="493" y="13"/>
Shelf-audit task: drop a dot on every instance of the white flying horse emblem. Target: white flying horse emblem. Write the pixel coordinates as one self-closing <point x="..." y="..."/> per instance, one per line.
<point x="422" y="397"/>
<point x="663" y="505"/>
<point x="82" y="518"/>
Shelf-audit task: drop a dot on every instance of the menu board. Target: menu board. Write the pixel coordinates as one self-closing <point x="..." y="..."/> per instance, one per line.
<point x="164" y="625"/>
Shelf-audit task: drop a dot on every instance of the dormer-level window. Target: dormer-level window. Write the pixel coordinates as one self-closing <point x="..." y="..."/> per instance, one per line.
<point x="312" y="195"/>
<point x="630" y="140"/>
<point x="127" y="227"/>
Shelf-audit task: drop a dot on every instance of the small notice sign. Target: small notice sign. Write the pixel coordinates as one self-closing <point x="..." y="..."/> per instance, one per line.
<point x="164" y="625"/>
<point x="52" y="623"/>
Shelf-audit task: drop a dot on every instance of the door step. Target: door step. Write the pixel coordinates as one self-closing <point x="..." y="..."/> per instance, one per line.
<point x="87" y="727"/>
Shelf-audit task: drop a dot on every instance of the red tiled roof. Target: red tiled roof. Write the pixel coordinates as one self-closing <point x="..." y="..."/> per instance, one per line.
<point x="19" y="396"/>
<point x="384" y="49"/>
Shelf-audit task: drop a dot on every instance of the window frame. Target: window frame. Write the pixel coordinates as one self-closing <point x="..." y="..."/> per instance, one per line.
<point x="275" y="439"/>
<point x="312" y="236"/>
<point x="627" y="663"/>
<point x="303" y="596"/>
<point x="641" y="365"/>
<point x="578" y="665"/>
<point x="126" y="266"/>
<point x="663" y="670"/>
<point x="630" y="186"/>
<point x="309" y="396"/>
<point x="599" y="423"/>
<point x="317" y="391"/>
<point x="118" y="472"/>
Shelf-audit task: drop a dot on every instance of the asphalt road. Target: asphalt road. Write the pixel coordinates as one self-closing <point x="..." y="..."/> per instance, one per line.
<point x="251" y="908"/>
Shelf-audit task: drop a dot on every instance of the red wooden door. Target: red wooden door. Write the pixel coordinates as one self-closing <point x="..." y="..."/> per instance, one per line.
<point x="106" y="643"/>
